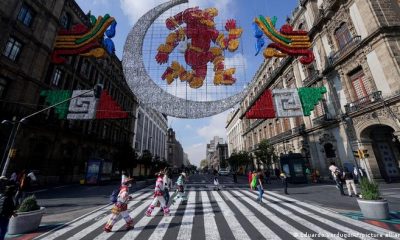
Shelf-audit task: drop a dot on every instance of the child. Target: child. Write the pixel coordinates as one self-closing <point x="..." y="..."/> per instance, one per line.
<point x="158" y="196"/>
<point x="121" y="207"/>
<point x="216" y="183"/>
<point x="8" y="210"/>
<point x="181" y="188"/>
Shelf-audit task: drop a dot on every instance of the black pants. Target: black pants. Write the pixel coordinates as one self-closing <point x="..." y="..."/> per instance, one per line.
<point x="285" y="184"/>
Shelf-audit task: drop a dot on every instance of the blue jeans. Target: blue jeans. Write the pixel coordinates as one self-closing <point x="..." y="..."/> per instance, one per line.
<point x="260" y="193"/>
<point x="3" y="227"/>
<point x="166" y="196"/>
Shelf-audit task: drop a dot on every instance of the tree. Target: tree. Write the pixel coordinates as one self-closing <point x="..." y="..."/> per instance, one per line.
<point x="203" y="163"/>
<point x="265" y="154"/>
<point x="238" y="159"/>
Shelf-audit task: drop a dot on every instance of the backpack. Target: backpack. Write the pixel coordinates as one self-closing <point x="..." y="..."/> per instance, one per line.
<point x="114" y="196"/>
<point x="254" y="182"/>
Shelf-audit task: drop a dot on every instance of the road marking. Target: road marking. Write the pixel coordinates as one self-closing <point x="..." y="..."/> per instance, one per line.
<point x="185" y="230"/>
<point x="88" y="217"/>
<point x="361" y="224"/>
<point x="234" y="225"/>
<point x="209" y="220"/>
<point x="260" y="226"/>
<point x="274" y="218"/>
<point x="299" y="220"/>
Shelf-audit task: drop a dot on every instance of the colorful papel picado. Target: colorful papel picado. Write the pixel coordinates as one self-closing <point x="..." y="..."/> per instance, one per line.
<point x="284" y="42"/>
<point x="84" y="105"/>
<point x="200" y="29"/>
<point x="283" y="103"/>
<point x="86" y="41"/>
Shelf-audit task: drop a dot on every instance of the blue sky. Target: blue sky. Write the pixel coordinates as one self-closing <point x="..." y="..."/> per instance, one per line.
<point x="194" y="134"/>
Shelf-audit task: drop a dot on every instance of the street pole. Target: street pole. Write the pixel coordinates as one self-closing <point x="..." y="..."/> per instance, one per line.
<point x="15" y="133"/>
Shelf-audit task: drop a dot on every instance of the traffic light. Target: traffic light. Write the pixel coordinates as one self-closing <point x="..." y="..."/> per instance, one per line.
<point x="364" y="153"/>
<point x="357" y="153"/>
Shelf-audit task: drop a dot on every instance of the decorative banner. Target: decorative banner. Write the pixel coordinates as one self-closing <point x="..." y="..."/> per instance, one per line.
<point x="287" y="103"/>
<point x="310" y="97"/>
<point x="283" y="103"/>
<point x="54" y="97"/>
<point x="285" y="42"/>
<point x="84" y="105"/>
<point x="108" y="108"/>
<point x="200" y="28"/>
<point x="81" y="40"/>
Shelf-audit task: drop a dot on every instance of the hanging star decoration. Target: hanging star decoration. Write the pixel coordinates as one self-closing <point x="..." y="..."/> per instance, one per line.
<point x="284" y="42"/>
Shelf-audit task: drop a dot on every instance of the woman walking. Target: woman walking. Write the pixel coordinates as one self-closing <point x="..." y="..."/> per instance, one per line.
<point x="260" y="188"/>
<point x="158" y="196"/>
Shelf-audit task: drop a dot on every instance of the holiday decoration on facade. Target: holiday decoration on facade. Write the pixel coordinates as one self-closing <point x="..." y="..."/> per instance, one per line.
<point x="283" y="103"/>
<point x="200" y="29"/>
<point x="84" y="105"/>
<point x="285" y="42"/>
<point x="85" y="41"/>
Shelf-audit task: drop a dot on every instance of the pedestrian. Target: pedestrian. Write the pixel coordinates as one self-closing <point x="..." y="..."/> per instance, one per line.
<point x="167" y="185"/>
<point x="250" y="178"/>
<point x="234" y="176"/>
<point x="13" y="178"/>
<point x="308" y="173"/>
<point x="216" y="183"/>
<point x="284" y="176"/>
<point x="24" y="186"/>
<point x="337" y="177"/>
<point x="7" y="210"/>
<point x="180" y="183"/>
<point x="357" y="173"/>
<point x="267" y="176"/>
<point x="121" y="207"/>
<point x="158" y="196"/>
<point x="277" y="173"/>
<point x="260" y="187"/>
<point x="349" y="178"/>
<point x="124" y="176"/>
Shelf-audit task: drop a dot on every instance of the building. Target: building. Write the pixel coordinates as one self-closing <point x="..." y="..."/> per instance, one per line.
<point x="151" y="131"/>
<point x="210" y="149"/>
<point x="356" y="51"/>
<point x="174" y="151"/>
<point x="58" y="149"/>
<point x="220" y="156"/>
<point x="234" y="132"/>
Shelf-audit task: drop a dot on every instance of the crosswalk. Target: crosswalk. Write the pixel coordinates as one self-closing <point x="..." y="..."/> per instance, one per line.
<point x="228" y="214"/>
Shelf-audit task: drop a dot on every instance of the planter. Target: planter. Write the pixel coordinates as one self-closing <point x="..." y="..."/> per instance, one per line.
<point x="25" y="222"/>
<point x="374" y="209"/>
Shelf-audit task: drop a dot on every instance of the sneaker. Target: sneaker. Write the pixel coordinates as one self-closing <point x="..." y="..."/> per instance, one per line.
<point x="129" y="227"/>
<point x="107" y="229"/>
<point x="148" y="213"/>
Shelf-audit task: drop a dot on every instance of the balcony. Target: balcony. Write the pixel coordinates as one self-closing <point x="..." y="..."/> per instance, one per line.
<point x="300" y="129"/>
<point x="363" y="102"/>
<point x="323" y="119"/>
<point x="312" y="76"/>
<point x="344" y="50"/>
<point x="280" y="137"/>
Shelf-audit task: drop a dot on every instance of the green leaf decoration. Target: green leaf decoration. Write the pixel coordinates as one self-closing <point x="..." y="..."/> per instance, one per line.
<point x="310" y="97"/>
<point x="53" y="97"/>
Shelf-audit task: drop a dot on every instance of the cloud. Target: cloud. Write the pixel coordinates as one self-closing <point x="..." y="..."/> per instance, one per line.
<point x="188" y="126"/>
<point x="215" y="127"/>
<point x="196" y="153"/>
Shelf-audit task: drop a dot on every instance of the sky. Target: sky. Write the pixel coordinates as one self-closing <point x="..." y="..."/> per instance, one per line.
<point x="194" y="134"/>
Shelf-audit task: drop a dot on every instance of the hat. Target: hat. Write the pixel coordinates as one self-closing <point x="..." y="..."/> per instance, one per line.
<point x="160" y="173"/>
<point x="127" y="180"/>
<point x="183" y="174"/>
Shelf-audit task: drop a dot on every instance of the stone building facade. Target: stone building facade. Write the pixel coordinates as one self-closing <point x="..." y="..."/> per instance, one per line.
<point x="58" y="149"/>
<point x="356" y="46"/>
<point x="174" y="151"/>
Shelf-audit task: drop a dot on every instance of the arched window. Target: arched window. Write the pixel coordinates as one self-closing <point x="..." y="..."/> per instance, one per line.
<point x="329" y="151"/>
<point x="65" y="20"/>
<point x="343" y="35"/>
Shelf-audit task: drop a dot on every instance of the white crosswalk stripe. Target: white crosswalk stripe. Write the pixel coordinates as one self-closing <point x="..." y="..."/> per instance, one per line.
<point x="237" y="208"/>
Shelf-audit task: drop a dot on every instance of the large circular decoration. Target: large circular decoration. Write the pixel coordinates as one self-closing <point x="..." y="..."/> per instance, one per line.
<point x="151" y="94"/>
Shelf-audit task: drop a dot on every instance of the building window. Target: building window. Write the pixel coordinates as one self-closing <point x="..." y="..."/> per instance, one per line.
<point x="65" y="20"/>
<point x="361" y="86"/>
<point x="25" y="15"/>
<point x="329" y="151"/>
<point x="13" y="49"/>
<point x="343" y="35"/>
<point x="56" y="77"/>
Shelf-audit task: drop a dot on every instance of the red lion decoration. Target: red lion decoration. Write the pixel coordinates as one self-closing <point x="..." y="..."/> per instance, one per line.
<point x="200" y="28"/>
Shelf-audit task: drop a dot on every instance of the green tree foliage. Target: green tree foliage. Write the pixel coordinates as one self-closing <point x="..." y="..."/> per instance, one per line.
<point x="265" y="154"/>
<point x="369" y="189"/>
<point x="238" y="159"/>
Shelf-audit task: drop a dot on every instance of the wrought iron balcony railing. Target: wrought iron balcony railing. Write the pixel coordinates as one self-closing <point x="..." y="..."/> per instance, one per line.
<point x="363" y="102"/>
<point x="279" y="137"/>
<point x="344" y="50"/>
<point x="299" y="129"/>
<point x="325" y="118"/>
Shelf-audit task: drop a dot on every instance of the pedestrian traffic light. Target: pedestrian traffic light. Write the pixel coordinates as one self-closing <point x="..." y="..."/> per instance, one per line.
<point x="357" y="153"/>
<point x="364" y="153"/>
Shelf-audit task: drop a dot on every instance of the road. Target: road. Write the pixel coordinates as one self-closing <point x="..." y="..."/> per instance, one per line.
<point x="231" y="213"/>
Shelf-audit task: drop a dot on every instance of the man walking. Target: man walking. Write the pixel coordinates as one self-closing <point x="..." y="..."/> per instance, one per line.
<point x="158" y="196"/>
<point x="337" y="177"/>
<point x="349" y="178"/>
<point x="284" y="177"/>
